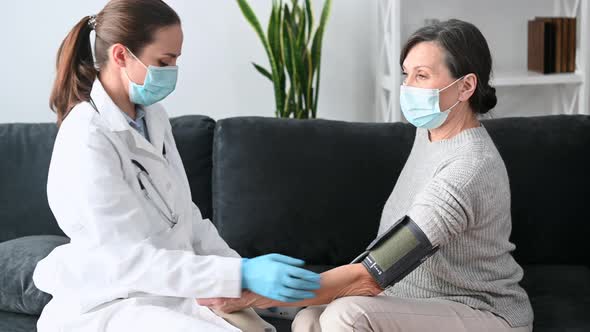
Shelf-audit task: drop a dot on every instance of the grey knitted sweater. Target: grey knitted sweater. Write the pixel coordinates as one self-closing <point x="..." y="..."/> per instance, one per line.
<point x="457" y="191"/>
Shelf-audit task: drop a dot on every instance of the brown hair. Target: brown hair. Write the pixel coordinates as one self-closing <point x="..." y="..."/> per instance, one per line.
<point x="132" y="23"/>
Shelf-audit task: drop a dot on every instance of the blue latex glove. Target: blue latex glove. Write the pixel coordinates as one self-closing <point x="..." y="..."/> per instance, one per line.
<point x="278" y="277"/>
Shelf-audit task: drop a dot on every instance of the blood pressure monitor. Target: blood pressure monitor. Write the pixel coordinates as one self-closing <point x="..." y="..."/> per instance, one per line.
<point x="396" y="253"/>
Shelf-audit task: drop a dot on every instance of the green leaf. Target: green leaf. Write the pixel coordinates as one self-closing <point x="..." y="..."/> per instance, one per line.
<point x="287" y="110"/>
<point x="314" y="107"/>
<point x="300" y="44"/>
<point x="316" y="53"/>
<point x="263" y="71"/>
<point x="310" y="20"/>
<point x="316" y="48"/>
<point x="286" y="45"/>
<point x="274" y="39"/>
<point x="271" y="24"/>
<point x="302" y="75"/>
<point x="292" y="62"/>
<point x="294" y="51"/>
<point x="309" y="77"/>
<point x="253" y="20"/>
<point x="298" y="17"/>
<point x="287" y="16"/>
<point x="273" y="32"/>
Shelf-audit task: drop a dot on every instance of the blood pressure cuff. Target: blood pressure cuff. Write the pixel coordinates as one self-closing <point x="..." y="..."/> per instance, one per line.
<point x="397" y="252"/>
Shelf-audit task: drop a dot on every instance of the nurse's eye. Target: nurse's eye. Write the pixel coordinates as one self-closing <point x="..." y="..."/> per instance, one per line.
<point x="162" y="63"/>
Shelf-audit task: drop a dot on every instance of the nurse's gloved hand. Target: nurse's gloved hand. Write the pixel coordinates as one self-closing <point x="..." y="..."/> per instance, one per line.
<point x="279" y="277"/>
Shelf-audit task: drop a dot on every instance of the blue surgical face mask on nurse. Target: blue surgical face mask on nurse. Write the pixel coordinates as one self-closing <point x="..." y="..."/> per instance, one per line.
<point x="421" y="107"/>
<point x="158" y="84"/>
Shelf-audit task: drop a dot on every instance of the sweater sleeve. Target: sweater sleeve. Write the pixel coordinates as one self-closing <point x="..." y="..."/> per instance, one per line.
<point x="445" y="207"/>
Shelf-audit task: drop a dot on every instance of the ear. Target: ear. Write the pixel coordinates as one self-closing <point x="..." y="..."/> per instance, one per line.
<point x="467" y="87"/>
<point x="119" y="55"/>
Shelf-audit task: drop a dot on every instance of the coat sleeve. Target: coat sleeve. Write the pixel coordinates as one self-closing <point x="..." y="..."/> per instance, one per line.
<point x="206" y="238"/>
<point x="110" y="254"/>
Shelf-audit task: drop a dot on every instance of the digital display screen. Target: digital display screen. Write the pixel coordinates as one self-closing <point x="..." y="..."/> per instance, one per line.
<point x="390" y="251"/>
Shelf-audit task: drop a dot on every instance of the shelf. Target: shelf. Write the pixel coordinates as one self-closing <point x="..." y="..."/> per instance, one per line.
<point x="533" y="78"/>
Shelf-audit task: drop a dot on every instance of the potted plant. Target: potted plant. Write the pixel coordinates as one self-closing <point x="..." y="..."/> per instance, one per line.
<point x="294" y="52"/>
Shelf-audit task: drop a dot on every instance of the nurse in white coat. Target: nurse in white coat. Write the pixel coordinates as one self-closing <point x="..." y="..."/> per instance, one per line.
<point x="140" y="252"/>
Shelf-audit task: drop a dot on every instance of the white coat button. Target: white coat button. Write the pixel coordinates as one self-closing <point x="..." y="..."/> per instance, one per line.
<point x="168" y="186"/>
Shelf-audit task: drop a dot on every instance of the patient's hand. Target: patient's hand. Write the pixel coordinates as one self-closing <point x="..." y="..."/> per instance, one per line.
<point x="248" y="300"/>
<point x="346" y="280"/>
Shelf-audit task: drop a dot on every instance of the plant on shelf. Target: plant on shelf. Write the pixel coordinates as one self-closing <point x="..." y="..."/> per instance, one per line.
<point x="294" y="52"/>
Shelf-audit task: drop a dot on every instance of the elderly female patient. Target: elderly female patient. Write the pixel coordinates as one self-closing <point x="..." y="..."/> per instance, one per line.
<point x="451" y="201"/>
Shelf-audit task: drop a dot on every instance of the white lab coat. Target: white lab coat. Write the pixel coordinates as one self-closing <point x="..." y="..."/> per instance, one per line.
<point x="124" y="260"/>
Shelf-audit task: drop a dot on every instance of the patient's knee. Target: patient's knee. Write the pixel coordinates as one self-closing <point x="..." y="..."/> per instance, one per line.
<point x="308" y="320"/>
<point x="344" y="314"/>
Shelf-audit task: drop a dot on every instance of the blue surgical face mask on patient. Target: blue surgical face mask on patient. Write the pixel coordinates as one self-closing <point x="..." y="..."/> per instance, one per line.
<point x="421" y="106"/>
<point x="159" y="83"/>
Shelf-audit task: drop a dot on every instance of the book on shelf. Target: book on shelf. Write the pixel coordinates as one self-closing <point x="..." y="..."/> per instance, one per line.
<point x="552" y="44"/>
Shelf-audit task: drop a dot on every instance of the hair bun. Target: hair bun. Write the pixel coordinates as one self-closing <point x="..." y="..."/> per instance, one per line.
<point x="488" y="99"/>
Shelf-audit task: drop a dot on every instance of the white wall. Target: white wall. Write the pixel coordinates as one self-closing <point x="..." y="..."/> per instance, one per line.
<point x="216" y="77"/>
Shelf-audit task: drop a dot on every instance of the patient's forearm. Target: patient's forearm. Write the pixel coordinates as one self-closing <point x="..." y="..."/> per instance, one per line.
<point x="346" y="280"/>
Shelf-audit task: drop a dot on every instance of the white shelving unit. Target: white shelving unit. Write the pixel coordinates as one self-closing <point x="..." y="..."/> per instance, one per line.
<point x="391" y="23"/>
<point x="532" y="78"/>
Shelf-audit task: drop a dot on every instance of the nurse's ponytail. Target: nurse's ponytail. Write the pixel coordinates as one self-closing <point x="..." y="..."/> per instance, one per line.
<point x="75" y="70"/>
<point x="132" y="23"/>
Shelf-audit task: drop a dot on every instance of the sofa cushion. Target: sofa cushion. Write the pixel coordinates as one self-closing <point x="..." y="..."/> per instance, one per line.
<point x="560" y="295"/>
<point x="18" y="259"/>
<point x="26" y="150"/>
<point x="548" y="163"/>
<point x="310" y="189"/>
<point x="12" y="322"/>
<point x="194" y="138"/>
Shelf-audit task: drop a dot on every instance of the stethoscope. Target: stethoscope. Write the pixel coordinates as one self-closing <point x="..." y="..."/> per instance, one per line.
<point x="168" y="215"/>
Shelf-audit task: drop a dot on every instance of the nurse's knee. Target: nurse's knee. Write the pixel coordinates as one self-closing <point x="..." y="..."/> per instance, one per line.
<point x="345" y="314"/>
<point x="308" y="320"/>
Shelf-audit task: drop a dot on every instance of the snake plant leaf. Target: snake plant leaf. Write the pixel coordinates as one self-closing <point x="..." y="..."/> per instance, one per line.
<point x="299" y="16"/>
<point x="301" y="42"/>
<point x="273" y="30"/>
<point x="287" y="110"/>
<point x="316" y="48"/>
<point x="309" y="77"/>
<point x="316" y="51"/>
<point x="291" y="53"/>
<point x="253" y="20"/>
<point x="295" y="13"/>
<point x="287" y="16"/>
<point x="300" y="67"/>
<point x="294" y="51"/>
<point x="274" y="36"/>
<point x="286" y="46"/>
<point x="310" y="19"/>
<point x="263" y="71"/>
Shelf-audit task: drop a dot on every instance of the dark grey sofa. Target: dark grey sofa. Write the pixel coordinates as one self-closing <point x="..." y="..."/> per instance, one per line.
<point x="315" y="190"/>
